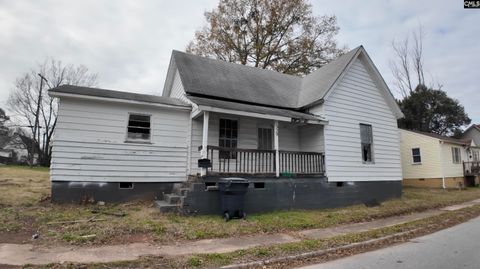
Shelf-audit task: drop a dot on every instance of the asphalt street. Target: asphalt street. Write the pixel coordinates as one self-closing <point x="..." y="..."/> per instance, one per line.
<point x="455" y="247"/>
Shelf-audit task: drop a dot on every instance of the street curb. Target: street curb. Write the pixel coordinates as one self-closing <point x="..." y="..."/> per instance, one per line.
<point x="313" y="253"/>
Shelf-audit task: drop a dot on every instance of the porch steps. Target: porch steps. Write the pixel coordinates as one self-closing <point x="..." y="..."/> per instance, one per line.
<point x="166" y="207"/>
<point x="173" y="202"/>
<point x="173" y="199"/>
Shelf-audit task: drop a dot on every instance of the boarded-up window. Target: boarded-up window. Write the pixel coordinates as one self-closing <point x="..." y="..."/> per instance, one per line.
<point x="417" y="158"/>
<point x="366" y="138"/>
<point x="456" y="157"/>
<point x="228" y="138"/>
<point x="138" y="127"/>
<point x="265" y="137"/>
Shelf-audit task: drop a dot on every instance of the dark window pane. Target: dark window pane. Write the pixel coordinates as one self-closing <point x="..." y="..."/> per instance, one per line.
<point x="265" y="139"/>
<point x="366" y="138"/>
<point x="228" y="134"/>
<point x="138" y="127"/>
<point x="416" y="151"/>
<point x="367" y="152"/>
<point x="417" y="159"/>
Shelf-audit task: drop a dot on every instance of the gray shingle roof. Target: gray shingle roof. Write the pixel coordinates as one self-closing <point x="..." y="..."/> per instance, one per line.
<point x="209" y="77"/>
<point x="147" y="98"/>
<point x="252" y="108"/>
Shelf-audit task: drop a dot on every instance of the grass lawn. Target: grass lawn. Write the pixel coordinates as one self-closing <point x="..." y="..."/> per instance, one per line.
<point x="25" y="210"/>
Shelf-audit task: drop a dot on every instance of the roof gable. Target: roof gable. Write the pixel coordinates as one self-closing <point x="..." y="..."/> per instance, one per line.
<point x="316" y="85"/>
<point x="473" y="127"/>
<point x="375" y="75"/>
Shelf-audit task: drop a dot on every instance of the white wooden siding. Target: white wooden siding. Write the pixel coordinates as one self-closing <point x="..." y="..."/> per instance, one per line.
<point x="289" y="136"/>
<point x="89" y="144"/>
<point x="357" y="99"/>
<point x="311" y="138"/>
<point x="177" y="90"/>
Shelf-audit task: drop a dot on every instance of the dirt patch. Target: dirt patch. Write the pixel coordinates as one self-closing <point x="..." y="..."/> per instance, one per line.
<point x="17" y="237"/>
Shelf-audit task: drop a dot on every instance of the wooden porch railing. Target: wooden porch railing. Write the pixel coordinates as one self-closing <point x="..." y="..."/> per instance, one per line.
<point x="262" y="162"/>
<point x="471" y="168"/>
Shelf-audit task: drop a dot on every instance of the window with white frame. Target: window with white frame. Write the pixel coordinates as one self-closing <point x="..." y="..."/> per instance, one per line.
<point x="138" y="128"/>
<point x="417" y="158"/>
<point x="456" y="156"/>
<point x="366" y="137"/>
<point x="265" y="139"/>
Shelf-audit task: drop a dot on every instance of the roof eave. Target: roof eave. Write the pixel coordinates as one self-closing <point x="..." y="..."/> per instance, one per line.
<point x="57" y="94"/>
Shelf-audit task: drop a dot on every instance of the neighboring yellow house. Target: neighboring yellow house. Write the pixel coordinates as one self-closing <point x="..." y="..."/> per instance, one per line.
<point x="431" y="160"/>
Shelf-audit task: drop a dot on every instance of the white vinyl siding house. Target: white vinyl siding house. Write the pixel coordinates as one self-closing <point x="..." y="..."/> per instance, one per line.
<point x="91" y="143"/>
<point x="355" y="100"/>
<point x="217" y="119"/>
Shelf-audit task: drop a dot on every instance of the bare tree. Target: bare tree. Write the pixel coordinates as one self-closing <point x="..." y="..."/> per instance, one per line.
<point x="408" y="65"/>
<point x="3" y="119"/>
<point x="282" y="35"/>
<point x="30" y="102"/>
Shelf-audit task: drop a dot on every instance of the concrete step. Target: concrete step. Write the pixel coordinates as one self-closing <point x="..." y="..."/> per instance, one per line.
<point x="181" y="191"/>
<point x="173" y="198"/>
<point x="165" y="207"/>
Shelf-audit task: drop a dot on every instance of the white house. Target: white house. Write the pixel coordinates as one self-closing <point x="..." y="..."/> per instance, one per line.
<point x="327" y="139"/>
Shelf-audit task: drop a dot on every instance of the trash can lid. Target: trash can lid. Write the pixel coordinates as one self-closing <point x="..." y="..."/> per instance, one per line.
<point x="233" y="179"/>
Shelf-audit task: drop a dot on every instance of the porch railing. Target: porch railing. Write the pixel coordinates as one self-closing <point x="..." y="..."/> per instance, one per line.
<point x="471" y="168"/>
<point x="258" y="162"/>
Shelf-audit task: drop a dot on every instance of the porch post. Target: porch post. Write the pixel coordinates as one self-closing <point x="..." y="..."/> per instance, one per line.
<point x="277" y="155"/>
<point x="203" y="152"/>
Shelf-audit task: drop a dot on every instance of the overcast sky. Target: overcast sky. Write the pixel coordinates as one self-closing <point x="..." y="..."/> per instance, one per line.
<point x="128" y="43"/>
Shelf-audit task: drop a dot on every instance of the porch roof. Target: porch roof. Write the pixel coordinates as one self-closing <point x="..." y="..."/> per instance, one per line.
<point x="204" y="103"/>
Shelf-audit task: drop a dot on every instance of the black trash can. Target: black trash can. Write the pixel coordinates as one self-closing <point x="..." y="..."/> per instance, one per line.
<point x="232" y="197"/>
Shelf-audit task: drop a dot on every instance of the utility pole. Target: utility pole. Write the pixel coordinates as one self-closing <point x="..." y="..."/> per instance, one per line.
<point x="35" y="127"/>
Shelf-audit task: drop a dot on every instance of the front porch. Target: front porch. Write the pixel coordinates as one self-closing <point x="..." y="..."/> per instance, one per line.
<point x="263" y="163"/>
<point x="228" y="142"/>
<point x="471" y="168"/>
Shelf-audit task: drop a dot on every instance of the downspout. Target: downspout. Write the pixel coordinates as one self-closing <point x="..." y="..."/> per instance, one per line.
<point x="442" y="170"/>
